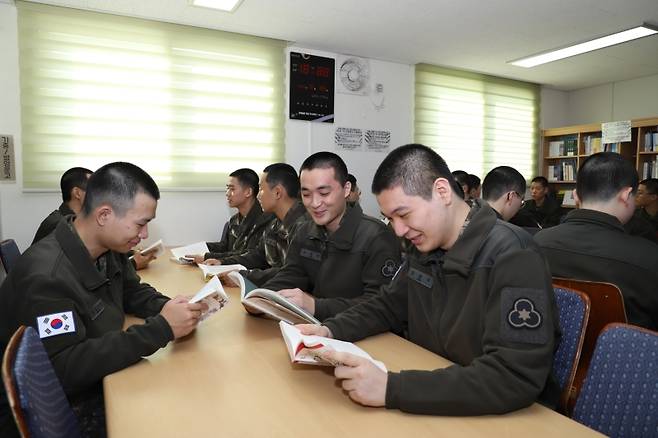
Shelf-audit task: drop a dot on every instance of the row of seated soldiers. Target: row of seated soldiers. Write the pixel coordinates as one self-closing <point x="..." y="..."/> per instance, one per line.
<point x="473" y="288"/>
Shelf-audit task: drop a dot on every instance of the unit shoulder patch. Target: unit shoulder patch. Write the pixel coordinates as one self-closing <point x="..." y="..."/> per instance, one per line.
<point x="522" y="315"/>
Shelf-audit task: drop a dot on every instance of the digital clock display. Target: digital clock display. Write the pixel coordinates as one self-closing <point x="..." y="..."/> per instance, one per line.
<point x="311" y="87"/>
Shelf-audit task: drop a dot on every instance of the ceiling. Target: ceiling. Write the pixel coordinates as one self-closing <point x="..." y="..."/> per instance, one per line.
<point x="476" y="35"/>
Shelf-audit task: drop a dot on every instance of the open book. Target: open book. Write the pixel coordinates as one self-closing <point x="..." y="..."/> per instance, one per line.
<point x="210" y="271"/>
<point x="305" y="348"/>
<point x="157" y="249"/>
<point x="213" y="295"/>
<point x="178" y="254"/>
<point x="273" y="305"/>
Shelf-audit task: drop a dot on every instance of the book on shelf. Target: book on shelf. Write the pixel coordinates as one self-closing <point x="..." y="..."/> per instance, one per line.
<point x="650" y="142"/>
<point x="271" y="304"/>
<point x="593" y="145"/>
<point x="178" y="254"/>
<point x="563" y="171"/>
<point x="307" y="349"/>
<point x="210" y="271"/>
<point x="568" y="199"/>
<point x="649" y="169"/>
<point x="213" y="295"/>
<point x="156" y="249"/>
<point x="563" y="147"/>
<point x="555" y="148"/>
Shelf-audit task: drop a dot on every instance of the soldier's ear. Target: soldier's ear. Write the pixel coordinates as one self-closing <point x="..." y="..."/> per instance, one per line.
<point x="277" y="191"/>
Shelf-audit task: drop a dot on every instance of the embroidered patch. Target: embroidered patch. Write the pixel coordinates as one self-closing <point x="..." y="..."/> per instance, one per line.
<point x="523" y="315"/>
<point x="390" y="268"/>
<point x="313" y="255"/>
<point x="421" y="277"/>
<point x="55" y="324"/>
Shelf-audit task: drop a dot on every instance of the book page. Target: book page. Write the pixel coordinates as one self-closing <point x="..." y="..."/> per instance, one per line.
<point x="194" y="248"/>
<point x="257" y="305"/>
<point x="245" y="284"/>
<point x="280" y="301"/>
<point x="157" y="249"/>
<point x="214" y="270"/>
<point x="213" y="295"/>
<point x="305" y="349"/>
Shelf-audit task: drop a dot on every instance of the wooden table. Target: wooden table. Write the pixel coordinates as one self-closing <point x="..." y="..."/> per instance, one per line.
<point x="233" y="377"/>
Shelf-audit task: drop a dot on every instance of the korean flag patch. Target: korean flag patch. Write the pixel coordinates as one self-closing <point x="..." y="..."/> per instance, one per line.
<point x="55" y="324"/>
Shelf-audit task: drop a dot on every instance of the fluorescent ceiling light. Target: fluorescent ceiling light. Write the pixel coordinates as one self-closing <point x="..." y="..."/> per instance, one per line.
<point x="587" y="46"/>
<point x="222" y="5"/>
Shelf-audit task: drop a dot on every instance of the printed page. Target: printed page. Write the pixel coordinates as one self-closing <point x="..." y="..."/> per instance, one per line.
<point x="213" y="295"/>
<point x="194" y="248"/>
<point x="214" y="270"/>
<point x="306" y="349"/>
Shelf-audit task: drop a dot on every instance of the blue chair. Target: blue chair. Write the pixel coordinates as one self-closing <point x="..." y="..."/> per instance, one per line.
<point x="9" y="253"/>
<point x="573" y="309"/>
<point x="619" y="397"/>
<point x="35" y="395"/>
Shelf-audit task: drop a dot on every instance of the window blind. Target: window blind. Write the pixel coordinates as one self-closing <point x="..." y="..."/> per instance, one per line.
<point x="189" y="105"/>
<point x="477" y="122"/>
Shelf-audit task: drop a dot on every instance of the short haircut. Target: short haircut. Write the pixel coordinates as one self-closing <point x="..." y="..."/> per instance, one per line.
<point x="651" y="185"/>
<point x="414" y="167"/>
<point x="352" y="179"/>
<point x="247" y="179"/>
<point x="462" y="180"/>
<point x="74" y="177"/>
<point x="541" y="180"/>
<point x="117" y="184"/>
<point x="284" y="174"/>
<point x="326" y="160"/>
<point x="603" y="175"/>
<point x="474" y="181"/>
<point x="501" y="180"/>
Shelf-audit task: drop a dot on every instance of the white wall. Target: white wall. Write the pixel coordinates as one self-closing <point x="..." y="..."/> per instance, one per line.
<point x="623" y="100"/>
<point x="185" y="217"/>
<point x="554" y="109"/>
<point x="356" y="111"/>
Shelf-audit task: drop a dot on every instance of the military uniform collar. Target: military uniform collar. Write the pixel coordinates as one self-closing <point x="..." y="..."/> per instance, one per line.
<point x="460" y="257"/>
<point x="65" y="209"/>
<point x="254" y="212"/>
<point x="344" y="235"/>
<point x="293" y="214"/>
<point x="594" y="217"/>
<point x="75" y="250"/>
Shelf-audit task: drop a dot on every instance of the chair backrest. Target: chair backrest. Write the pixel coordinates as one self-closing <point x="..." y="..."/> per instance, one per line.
<point x="573" y="308"/>
<point x="619" y="397"/>
<point x="36" y="397"/>
<point x="9" y="253"/>
<point x="606" y="306"/>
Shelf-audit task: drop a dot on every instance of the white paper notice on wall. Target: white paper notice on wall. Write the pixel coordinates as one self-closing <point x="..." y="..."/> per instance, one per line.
<point x="348" y="139"/>
<point x="8" y="161"/>
<point x="615" y="132"/>
<point x="377" y="141"/>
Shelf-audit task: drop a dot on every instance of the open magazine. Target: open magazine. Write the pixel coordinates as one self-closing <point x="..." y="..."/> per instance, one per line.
<point x="213" y="295"/>
<point x="178" y="254"/>
<point x="258" y="300"/>
<point x="157" y="249"/>
<point x="305" y="349"/>
<point x="210" y="271"/>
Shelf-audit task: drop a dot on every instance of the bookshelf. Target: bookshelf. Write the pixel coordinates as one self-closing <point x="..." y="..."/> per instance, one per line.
<point x="564" y="149"/>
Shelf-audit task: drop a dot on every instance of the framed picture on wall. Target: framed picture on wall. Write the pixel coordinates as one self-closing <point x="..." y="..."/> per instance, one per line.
<point x="312" y="87"/>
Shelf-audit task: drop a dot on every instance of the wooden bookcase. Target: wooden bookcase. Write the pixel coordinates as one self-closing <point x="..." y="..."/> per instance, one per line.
<point x="560" y="165"/>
